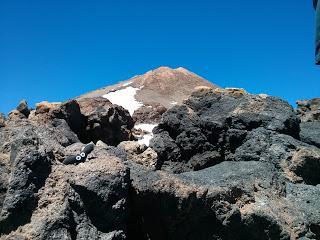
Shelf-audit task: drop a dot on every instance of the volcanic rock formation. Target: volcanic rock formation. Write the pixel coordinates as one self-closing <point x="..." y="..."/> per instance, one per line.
<point x="163" y="86"/>
<point x="148" y="96"/>
<point x="224" y="164"/>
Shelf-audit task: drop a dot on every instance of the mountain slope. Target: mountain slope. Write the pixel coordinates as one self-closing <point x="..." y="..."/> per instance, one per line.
<point x="148" y="96"/>
<point x="164" y="86"/>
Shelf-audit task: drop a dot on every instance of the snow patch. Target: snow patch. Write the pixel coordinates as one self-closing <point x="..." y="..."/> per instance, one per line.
<point x="126" y="84"/>
<point x="145" y="126"/>
<point x="145" y="138"/>
<point x="174" y="103"/>
<point x="125" y="98"/>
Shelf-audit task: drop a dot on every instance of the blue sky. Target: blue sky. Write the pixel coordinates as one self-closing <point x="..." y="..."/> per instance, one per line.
<point x="55" y="50"/>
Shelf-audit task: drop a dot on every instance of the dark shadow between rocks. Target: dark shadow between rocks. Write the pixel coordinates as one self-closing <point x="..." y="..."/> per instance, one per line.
<point x="100" y="212"/>
<point x="164" y="216"/>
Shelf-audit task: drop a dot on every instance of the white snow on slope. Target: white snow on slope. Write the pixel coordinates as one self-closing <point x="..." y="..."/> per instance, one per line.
<point x="126" y="84"/>
<point x="125" y="98"/>
<point x="145" y="139"/>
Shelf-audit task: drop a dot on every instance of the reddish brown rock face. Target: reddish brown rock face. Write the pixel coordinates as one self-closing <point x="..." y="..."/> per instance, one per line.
<point x="157" y="90"/>
<point x="150" y="113"/>
<point x="105" y="121"/>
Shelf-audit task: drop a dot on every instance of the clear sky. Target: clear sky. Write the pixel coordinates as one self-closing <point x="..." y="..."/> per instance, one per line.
<point x="55" y="50"/>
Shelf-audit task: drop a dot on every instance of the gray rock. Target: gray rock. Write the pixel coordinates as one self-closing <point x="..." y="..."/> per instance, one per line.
<point x="212" y="125"/>
<point x="310" y="133"/>
<point x="23" y="108"/>
<point x="87" y="201"/>
<point x="15" y="115"/>
<point x="231" y="200"/>
<point x="30" y="170"/>
<point x="244" y="173"/>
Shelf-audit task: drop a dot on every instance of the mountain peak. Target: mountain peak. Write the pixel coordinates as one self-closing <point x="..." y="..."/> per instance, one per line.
<point x="164" y="86"/>
<point x="165" y="71"/>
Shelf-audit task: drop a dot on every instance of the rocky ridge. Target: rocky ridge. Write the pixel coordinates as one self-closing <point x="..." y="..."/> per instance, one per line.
<point x="224" y="164"/>
<point x="163" y="86"/>
<point x="149" y="95"/>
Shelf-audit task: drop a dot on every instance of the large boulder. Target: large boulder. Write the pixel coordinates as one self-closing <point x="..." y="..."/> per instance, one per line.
<point x="27" y="151"/>
<point x="23" y="108"/>
<point x="30" y="169"/>
<point x="87" y="201"/>
<point x="212" y="124"/>
<point x="149" y="113"/>
<point x="42" y="199"/>
<point x="69" y="111"/>
<point x="92" y="119"/>
<point x="232" y="200"/>
<point x="105" y="121"/>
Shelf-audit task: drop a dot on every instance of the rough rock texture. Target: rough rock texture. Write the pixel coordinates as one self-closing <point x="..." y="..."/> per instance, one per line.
<point x="105" y="121"/>
<point x="155" y="91"/>
<point x="310" y="133"/>
<point x="309" y="110"/>
<point x="140" y="154"/>
<point x="69" y="111"/>
<point x="164" y="85"/>
<point x="232" y="166"/>
<point x="23" y="108"/>
<point x="232" y="200"/>
<point x="2" y="120"/>
<point x="42" y="199"/>
<point x="91" y="119"/>
<point x="87" y="201"/>
<point x="212" y="124"/>
<point x="309" y="113"/>
<point x="149" y="113"/>
<point x="15" y="115"/>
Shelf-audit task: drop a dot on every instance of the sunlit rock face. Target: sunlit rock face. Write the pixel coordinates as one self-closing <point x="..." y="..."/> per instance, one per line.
<point x="222" y="164"/>
<point x="148" y="96"/>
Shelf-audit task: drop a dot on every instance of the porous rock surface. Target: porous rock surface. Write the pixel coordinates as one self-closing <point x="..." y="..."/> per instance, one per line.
<point x="224" y="165"/>
<point x="105" y="121"/>
<point x="149" y="113"/>
<point x="140" y="153"/>
<point x="258" y="180"/>
<point x="217" y="125"/>
<point x="92" y="119"/>
<point x="40" y="198"/>
<point x="309" y="112"/>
